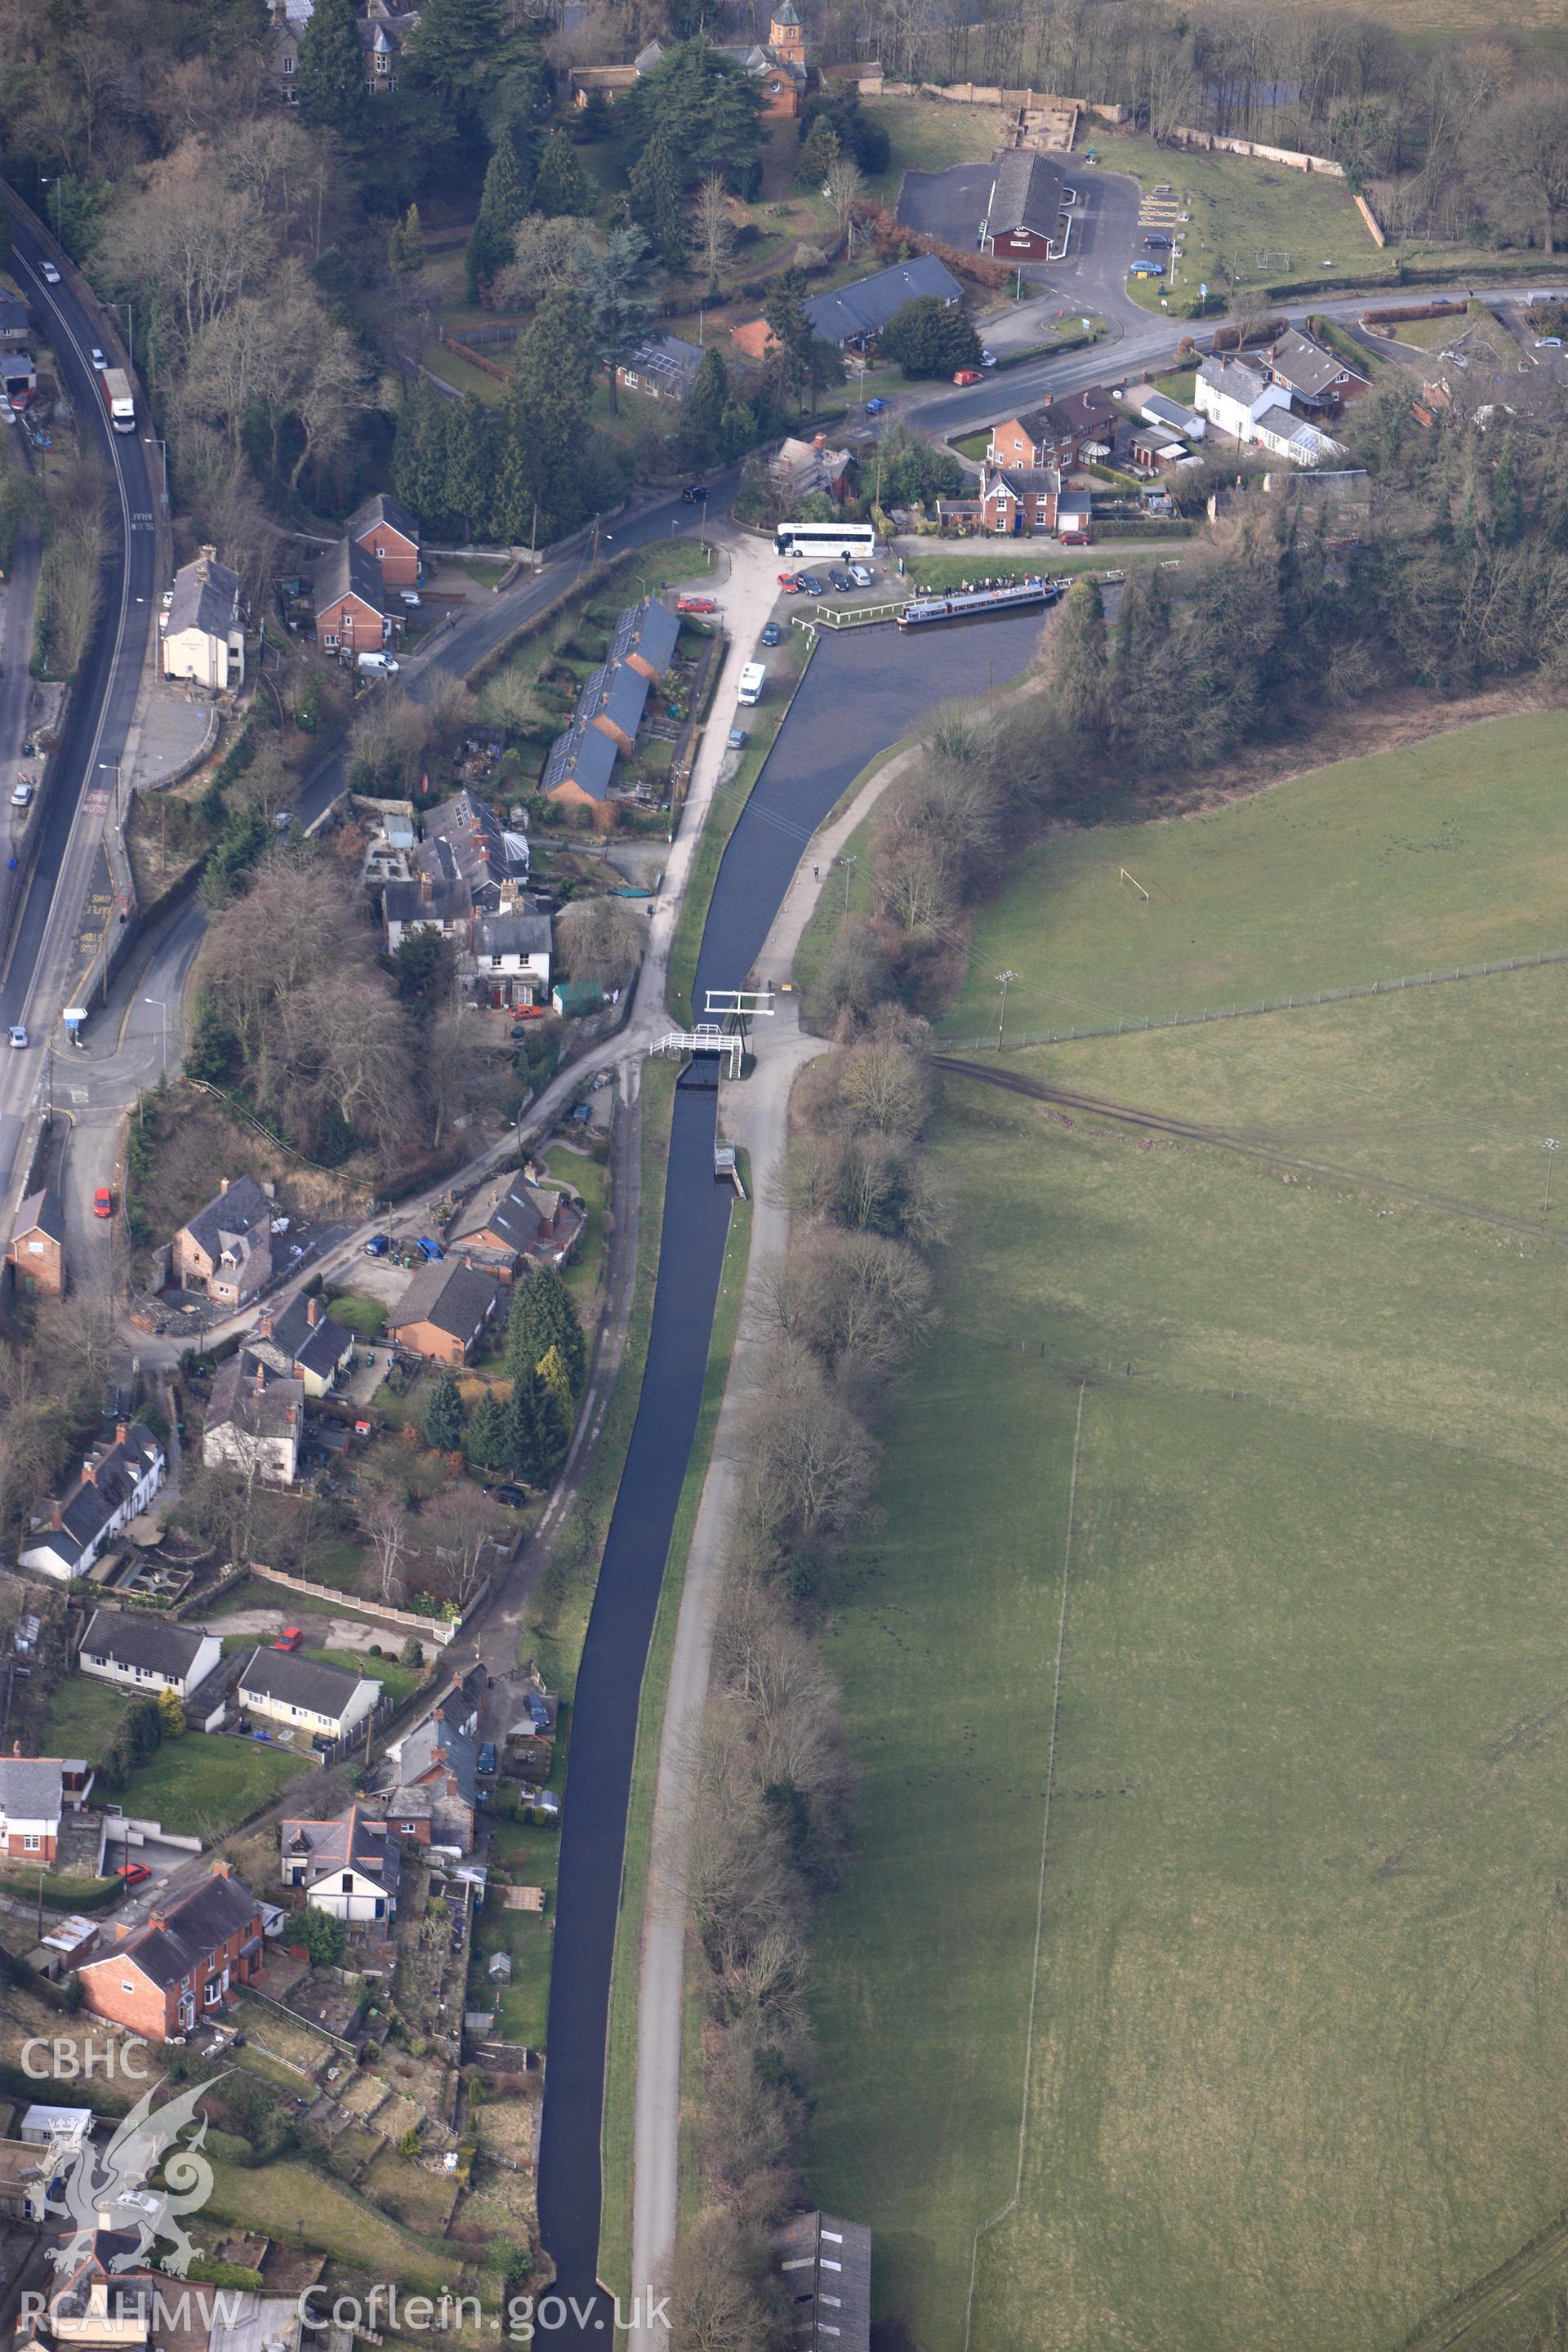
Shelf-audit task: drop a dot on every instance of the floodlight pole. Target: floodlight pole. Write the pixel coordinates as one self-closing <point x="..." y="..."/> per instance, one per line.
<point x="1004" y="977"/>
<point x="1552" y="1146"/>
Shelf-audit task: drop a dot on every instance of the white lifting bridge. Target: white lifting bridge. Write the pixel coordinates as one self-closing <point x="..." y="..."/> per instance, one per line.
<point x="738" y="1005"/>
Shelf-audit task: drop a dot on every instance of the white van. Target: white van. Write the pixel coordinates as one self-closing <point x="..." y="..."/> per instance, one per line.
<point x="752" y="681"/>
<point x="378" y="665"/>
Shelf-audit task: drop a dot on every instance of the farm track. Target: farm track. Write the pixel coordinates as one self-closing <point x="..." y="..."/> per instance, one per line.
<point x="1494" y="2293"/>
<point x="1247" y="1147"/>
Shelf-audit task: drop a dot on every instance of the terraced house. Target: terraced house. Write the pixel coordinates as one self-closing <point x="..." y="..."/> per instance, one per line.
<point x="116" y="1484"/>
<point x="182" y="1963"/>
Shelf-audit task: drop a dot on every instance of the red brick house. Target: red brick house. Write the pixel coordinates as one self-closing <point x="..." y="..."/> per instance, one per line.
<point x="35" y="1253"/>
<point x="351" y="610"/>
<point x="390" y="537"/>
<point x="1058" y="433"/>
<point x="182" y="1963"/>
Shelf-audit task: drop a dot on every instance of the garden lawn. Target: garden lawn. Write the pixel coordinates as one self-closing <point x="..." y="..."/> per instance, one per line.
<point x="297" y="2206"/>
<point x="1283" y="2016"/>
<point x="532" y="1856"/>
<point x="1437" y="334"/>
<point x="928" y="137"/>
<point x="365" y="1315"/>
<point x="197" y="1785"/>
<point x="585" y="1175"/>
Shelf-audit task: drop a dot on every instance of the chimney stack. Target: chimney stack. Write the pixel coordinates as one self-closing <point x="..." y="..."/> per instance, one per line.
<point x="54" y="1516"/>
<point x="263" y="1326"/>
<point x="222" y="1186"/>
<point x="222" y="1869"/>
<point x="312" y="1312"/>
<point x="293" y="1414"/>
<point x="260" y="1378"/>
<point x="88" y="1475"/>
<point x="156" y="1919"/>
<point x="426" y="890"/>
<point x="122" y="1432"/>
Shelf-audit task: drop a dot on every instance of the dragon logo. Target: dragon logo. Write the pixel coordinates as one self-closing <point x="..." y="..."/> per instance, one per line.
<point x="93" y="2183"/>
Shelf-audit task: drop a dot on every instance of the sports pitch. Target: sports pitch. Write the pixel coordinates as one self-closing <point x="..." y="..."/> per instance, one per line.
<point x="1248" y="1492"/>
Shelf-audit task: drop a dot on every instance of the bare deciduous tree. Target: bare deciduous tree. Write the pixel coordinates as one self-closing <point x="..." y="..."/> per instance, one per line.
<point x="600" y="941"/>
<point x="714" y="230"/>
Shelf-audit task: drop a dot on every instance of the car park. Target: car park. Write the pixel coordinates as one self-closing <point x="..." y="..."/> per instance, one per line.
<point x="21" y="794"/>
<point x="772" y="634"/>
<point x="841" y="580"/>
<point x="19" y="1035"/>
<point x="51" y="275"/>
<point x="737" y="738"/>
<point x="1157" y="243"/>
<point x="102" y="1201"/>
<point x="966" y="375"/>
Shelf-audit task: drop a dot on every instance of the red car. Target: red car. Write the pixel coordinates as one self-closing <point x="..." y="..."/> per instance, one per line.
<point x="969" y="375"/>
<point x="133" y="1872"/>
<point x="789" y="584"/>
<point x="103" y="1201"/>
<point x="289" y="1639"/>
<point x="695" y="605"/>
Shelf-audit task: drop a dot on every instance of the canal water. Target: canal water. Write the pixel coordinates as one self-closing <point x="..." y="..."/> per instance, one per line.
<point x="862" y="692"/>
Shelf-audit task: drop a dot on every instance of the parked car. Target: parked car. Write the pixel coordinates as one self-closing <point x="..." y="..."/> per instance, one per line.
<point x="875" y="407"/>
<point x="322" y="1743"/>
<point x="861" y="575"/>
<point x="1157" y="243"/>
<point x="694" y="494"/>
<point x="51" y="275"/>
<point x="99" y="362"/>
<point x="19" y="1035"/>
<point x="8" y="414"/>
<point x="378" y="665"/>
<point x="290" y="1639"/>
<point x="134" y="1874"/>
<point x="789" y="584"/>
<point x="527" y="1013"/>
<point x="967" y="376"/>
<point x="1147" y="270"/>
<point x="486" y="1756"/>
<point x="411" y="597"/>
<point x="808" y="583"/>
<point x="737" y="738"/>
<point x="1549" y="342"/>
<point x="772" y="634"/>
<point x="841" y="580"/>
<point x="377" y="1246"/>
<point x="695" y="605"/>
<point x="430" y="1249"/>
<point x="987" y="359"/>
<point x="103" y="1201"/>
<point x="21" y="794"/>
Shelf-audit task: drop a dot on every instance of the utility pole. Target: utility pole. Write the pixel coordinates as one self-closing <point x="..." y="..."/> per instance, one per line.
<point x="847" y="863"/>
<point x="1552" y="1147"/>
<point x="1003" y="977"/>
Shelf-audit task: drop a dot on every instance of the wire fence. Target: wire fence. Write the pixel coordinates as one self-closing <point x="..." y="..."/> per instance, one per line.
<point x="1126" y="1028"/>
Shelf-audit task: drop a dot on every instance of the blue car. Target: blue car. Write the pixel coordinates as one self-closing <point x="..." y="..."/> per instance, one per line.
<point x="772" y="634"/>
<point x="377" y="1246"/>
<point x="427" y="1248"/>
<point x="488" y="1757"/>
<point x="875" y="407"/>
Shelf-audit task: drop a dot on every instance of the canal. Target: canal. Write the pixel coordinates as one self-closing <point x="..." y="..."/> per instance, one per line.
<point x="862" y="692"/>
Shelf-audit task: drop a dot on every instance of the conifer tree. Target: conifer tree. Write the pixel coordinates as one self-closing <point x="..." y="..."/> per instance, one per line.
<point x="654" y="195"/>
<point x="329" y="82"/>
<point x="703" y="412"/>
<point x="489" y="1440"/>
<point x="818" y="153"/>
<point x="444" y="1416"/>
<point x="1075" y="661"/>
<point x="501" y="206"/>
<point x="561" y="187"/>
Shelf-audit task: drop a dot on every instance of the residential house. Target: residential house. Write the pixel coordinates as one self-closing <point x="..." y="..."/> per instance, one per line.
<point x="509" y="1220"/>
<point x="509" y="960"/>
<point x="824" y="2265"/>
<point x="32" y="1799"/>
<point x="1240" y="400"/>
<point x="1057" y="435"/>
<point x="778" y="63"/>
<point x="1025" y="218"/>
<point x="579" y="768"/>
<point x="351" y="614"/>
<point x="803" y="469"/>
<point x="854" y="315"/>
<point x="445" y="1310"/>
<point x="226" y="1249"/>
<point x="388" y="534"/>
<point x="256" y="1421"/>
<point x="19" y="376"/>
<point x="613" y="700"/>
<point x="1019" y="499"/>
<point x="382" y="33"/>
<point x="36" y="1250"/>
<point x="27" y="2174"/>
<point x="303" y="1342"/>
<point x="1319" y="382"/>
<point x="663" y="369"/>
<point x="182" y="1963"/>
<point x="1153" y="407"/>
<point x="645" y="637"/>
<point x="435" y="1794"/>
<point x="609" y="82"/>
<point x="1155" y="447"/>
<point x="203" y="639"/>
<point x="116" y="1484"/>
<point x="285" y="1687"/>
<point x="426" y="905"/>
<point x="14" y="329"/>
<point x="464" y="840"/>
<point x="140" y="1650"/>
<point x="348" y="1867"/>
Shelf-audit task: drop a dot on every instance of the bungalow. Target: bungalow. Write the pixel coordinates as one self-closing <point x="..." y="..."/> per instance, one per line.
<point x="664" y="368"/>
<point x="853" y="316"/>
<point x="426" y="905"/>
<point x="1057" y="434"/>
<point x="645" y="638"/>
<point x="116" y="1484"/>
<point x="348" y="1867"/>
<point x="284" y="1688"/>
<point x="226" y="1249"/>
<point x="182" y="1963"/>
<point x="32" y="1799"/>
<point x="303" y="1343"/>
<point x="256" y="1421"/>
<point x="35" y="1253"/>
<point x="444" y="1312"/>
<point x="389" y="535"/>
<point x="509" y="960"/>
<point x="614" y="701"/>
<point x="508" y="1220"/>
<point x="138" y="1651"/>
<point x="1025" y="218"/>
<point x="350" y="609"/>
<point x="203" y="637"/>
<point x="1319" y="382"/>
<point x="581" y="765"/>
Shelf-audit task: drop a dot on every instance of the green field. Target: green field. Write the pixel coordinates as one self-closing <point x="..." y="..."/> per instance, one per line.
<point x="197" y="1786"/>
<point x="1252" y="1489"/>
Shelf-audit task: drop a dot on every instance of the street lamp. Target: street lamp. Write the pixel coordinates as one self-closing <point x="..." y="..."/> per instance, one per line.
<point x="1552" y="1146"/>
<point x="164" y="448"/>
<point x="104" y="766"/>
<point x="128" y="313"/>
<point x="158" y="1003"/>
<point x="1002" y="978"/>
<point x="55" y="183"/>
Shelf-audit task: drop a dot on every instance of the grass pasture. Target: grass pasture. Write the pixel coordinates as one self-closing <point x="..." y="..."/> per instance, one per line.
<point x="1250" y="1491"/>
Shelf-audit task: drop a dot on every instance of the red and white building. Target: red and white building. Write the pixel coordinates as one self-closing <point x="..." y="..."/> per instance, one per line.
<point x="182" y="1963"/>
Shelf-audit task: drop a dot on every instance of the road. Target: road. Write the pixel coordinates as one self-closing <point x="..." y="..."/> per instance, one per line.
<point x="82" y="775"/>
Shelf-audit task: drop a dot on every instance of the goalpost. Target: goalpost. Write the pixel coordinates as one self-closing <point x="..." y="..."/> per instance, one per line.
<point x="1123" y="876"/>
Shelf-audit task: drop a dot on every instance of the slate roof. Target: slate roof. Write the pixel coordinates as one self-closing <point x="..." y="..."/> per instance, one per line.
<point x="321" y="1346"/>
<point x="351" y="1842"/>
<point x="1022" y="480"/>
<point x="381" y="510"/>
<point x="134" y="1637"/>
<point x="1026" y="194"/>
<point x="294" y="1681"/>
<point x="347" y="567"/>
<point x="668" y="359"/>
<point x="1158" y="409"/>
<point x="194" y="1926"/>
<point x="405" y="902"/>
<point x="1063" y="420"/>
<point x="584" y="756"/>
<point x="456" y="1299"/>
<point x="433" y="1746"/>
<point x="206" y="597"/>
<point x="40" y="1213"/>
<point x="261" y="1410"/>
<point x="519" y="934"/>
<point x="868" y="305"/>
<point x="511" y="1209"/>
<point x="30" y="1788"/>
<point x="92" y="1503"/>
<point x="465" y="837"/>
<point x="618" y="693"/>
<point x="1305" y="366"/>
<point x="649" y="630"/>
<point x="13" y="315"/>
<point x="229" y="1216"/>
<point x="1237" y="379"/>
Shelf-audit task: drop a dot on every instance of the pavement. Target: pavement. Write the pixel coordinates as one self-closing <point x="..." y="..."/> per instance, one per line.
<point x="174" y="727"/>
